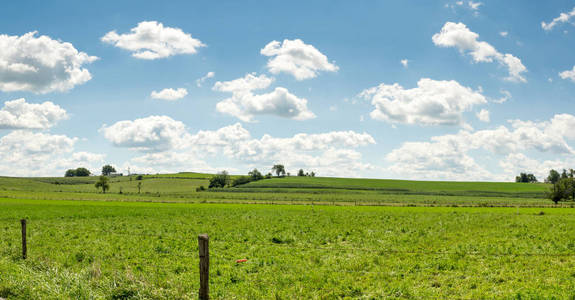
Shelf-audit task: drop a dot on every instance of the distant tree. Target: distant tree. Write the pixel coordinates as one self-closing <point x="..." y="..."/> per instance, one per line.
<point x="103" y="184"/>
<point x="268" y="176"/>
<point x="220" y="180"/>
<point x="255" y="175"/>
<point x="300" y="173"/>
<point x="553" y="177"/>
<point x="279" y="170"/>
<point x="564" y="174"/>
<point x="70" y="173"/>
<point x="524" y="177"/>
<point x="312" y="174"/>
<point x="139" y="187"/>
<point x="107" y="170"/>
<point x="82" y="172"/>
<point x="241" y="180"/>
<point x="139" y="177"/>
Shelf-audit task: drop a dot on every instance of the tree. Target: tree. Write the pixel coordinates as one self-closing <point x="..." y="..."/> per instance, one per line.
<point x="139" y="187"/>
<point x="524" y="177"/>
<point x="562" y="190"/>
<point x="255" y="175"/>
<point x="107" y="170"/>
<point x="300" y="172"/>
<point x="564" y="174"/>
<point x="70" y="173"/>
<point x="553" y="177"/>
<point x="82" y="172"/>
<point x="220" y="180"/>
<point x="312" y="174"/>
<point x="279" y="169"/>
<point x="103" y="184"/>
<point x="241" y="180"/>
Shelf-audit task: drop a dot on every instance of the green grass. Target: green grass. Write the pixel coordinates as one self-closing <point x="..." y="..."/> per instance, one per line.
<point x="106" y="250"/>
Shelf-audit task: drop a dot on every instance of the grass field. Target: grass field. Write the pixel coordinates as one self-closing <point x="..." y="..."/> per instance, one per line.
<point x="365" y="240"/>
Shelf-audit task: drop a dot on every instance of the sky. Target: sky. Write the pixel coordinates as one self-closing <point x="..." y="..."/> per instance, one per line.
<point x="427" y="90"/>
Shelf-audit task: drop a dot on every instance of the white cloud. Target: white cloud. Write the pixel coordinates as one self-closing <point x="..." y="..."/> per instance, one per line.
<point x="506" y="96"/>
<point x="151" y="40"/>
<point x="474" y="5"/>
<point x="294" y="57"/>
<point x="515" y="163"/>
<point x="18" y="114"/>
<point x="150" y="134"/>
<point x="280" y="102"/>
<point x="459" y="36"/>
<point x="569" y="74"/>
<point x="432" y="102"/>
<point x="562" y="18"/>
<point x="247" y="83"/>
<point x="201" y="80"/>
<point x="40" y="64"/>
<point x="504" y="33"/>
<point x="449" y="157"/>
<point x="170" y="94"/>
<point x="25" y="153"/>
<point x="483" y="116"/>
<point x="404" y="63"/>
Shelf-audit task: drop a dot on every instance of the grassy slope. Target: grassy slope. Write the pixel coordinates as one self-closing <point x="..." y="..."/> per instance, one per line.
<point x="148" y="250"/>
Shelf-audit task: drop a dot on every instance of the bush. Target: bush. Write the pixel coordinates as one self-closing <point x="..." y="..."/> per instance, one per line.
<point x="220" y="180"/>
<point x="563" y="190"/>
<point x="255" y="175"/>
<point x="241" y="180"/>
<point x="139" y="177"/>
<point x="200" y="188"/>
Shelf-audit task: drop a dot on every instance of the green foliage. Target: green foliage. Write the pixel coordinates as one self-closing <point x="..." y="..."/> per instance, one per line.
<point x="107" y="170"/>
<point x="79" y="172"/>
<point x="255" y="175"/>
<point x="526" y="178"/>
<point x="220" y="180"/>
<point x="562" y="190"/>
<point x="201" y="188"/>
<point x="300" y="173"/>
<point x="102" y="183"/>
<point x="553" y="177"/>
<point x="279" y="170"/>
<point x="139" y="177"/>
<point x="241" y="180"/>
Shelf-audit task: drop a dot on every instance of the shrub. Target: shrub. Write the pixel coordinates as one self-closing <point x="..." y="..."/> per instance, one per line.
<point x="220" y="180"/>
<point x="241" y="180"/>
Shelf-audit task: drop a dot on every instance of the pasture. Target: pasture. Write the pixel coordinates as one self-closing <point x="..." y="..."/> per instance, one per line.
<point x="322" y="238"/>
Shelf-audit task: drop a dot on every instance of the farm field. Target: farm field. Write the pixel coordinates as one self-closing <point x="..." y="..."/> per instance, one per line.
<point x="323" y="238"/>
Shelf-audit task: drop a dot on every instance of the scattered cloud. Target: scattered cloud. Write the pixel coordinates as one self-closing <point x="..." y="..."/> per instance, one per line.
<point x="506" y="96"/>
<point x="26" y="153"/>
<point x="432" y="102"/>
<point x="303" y="61"/>
<point x="459" y="36"/>
<point x="474" y="5"/>
<point x="201" y="80"/>
<point x="504" y="33"/>
<point x="404" y="63"/>
<point x="569" y="74"/>
<point x="39" y="64"/>
<point x="483" y="116"/>
<point x="562" y="18"/>
<point x="170" y="94"/>
<point x="247" y="83"/>
<point x="150" y="134"/>
<point x="151" y="40"/>
<point x="449" y="157"/>
<point x="19" y="114"/>
<point x="280" y="102"/>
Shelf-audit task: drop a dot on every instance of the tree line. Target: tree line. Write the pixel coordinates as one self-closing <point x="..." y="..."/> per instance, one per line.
<point x="223" y="179"/>
<point x="563" y="188"/>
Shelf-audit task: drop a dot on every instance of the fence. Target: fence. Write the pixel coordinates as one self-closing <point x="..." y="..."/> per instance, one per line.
<point x="204" y="253"/>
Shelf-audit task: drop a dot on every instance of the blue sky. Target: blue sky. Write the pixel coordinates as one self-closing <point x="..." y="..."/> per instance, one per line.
<point x="470" y="118"/>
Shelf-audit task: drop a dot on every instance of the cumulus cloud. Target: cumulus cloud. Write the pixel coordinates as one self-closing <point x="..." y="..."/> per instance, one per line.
<point x="170" y="94"/>
<point x="280" y="102"/>
<point x="331" y="153"/>
<point x="303" y="61"/>
<point x="26" y="153"/>
<point x="569" y="74"/>
<point x="432" y="102"/>
<point x="247" y="83"/>
<point x="150" y="134"/>
<point x="151" y="40"/>
<point x="19" y="114"/>
<point x="562" y="18"/>
<point x="40" y="64"/>
<point x="449" y="156"/>
<point x="483" y="116"/>
<point x="459" y="36"/>
<point x="201" y="80"/>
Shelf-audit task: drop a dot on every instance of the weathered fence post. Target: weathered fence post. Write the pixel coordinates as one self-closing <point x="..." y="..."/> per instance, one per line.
<point x="24" y="248"/>
<point x="203" y="244"/>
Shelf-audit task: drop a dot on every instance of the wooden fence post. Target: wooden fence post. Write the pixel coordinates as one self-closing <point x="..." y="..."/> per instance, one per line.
<point x="203" y="244"/>
<point x="24" y="248"/>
